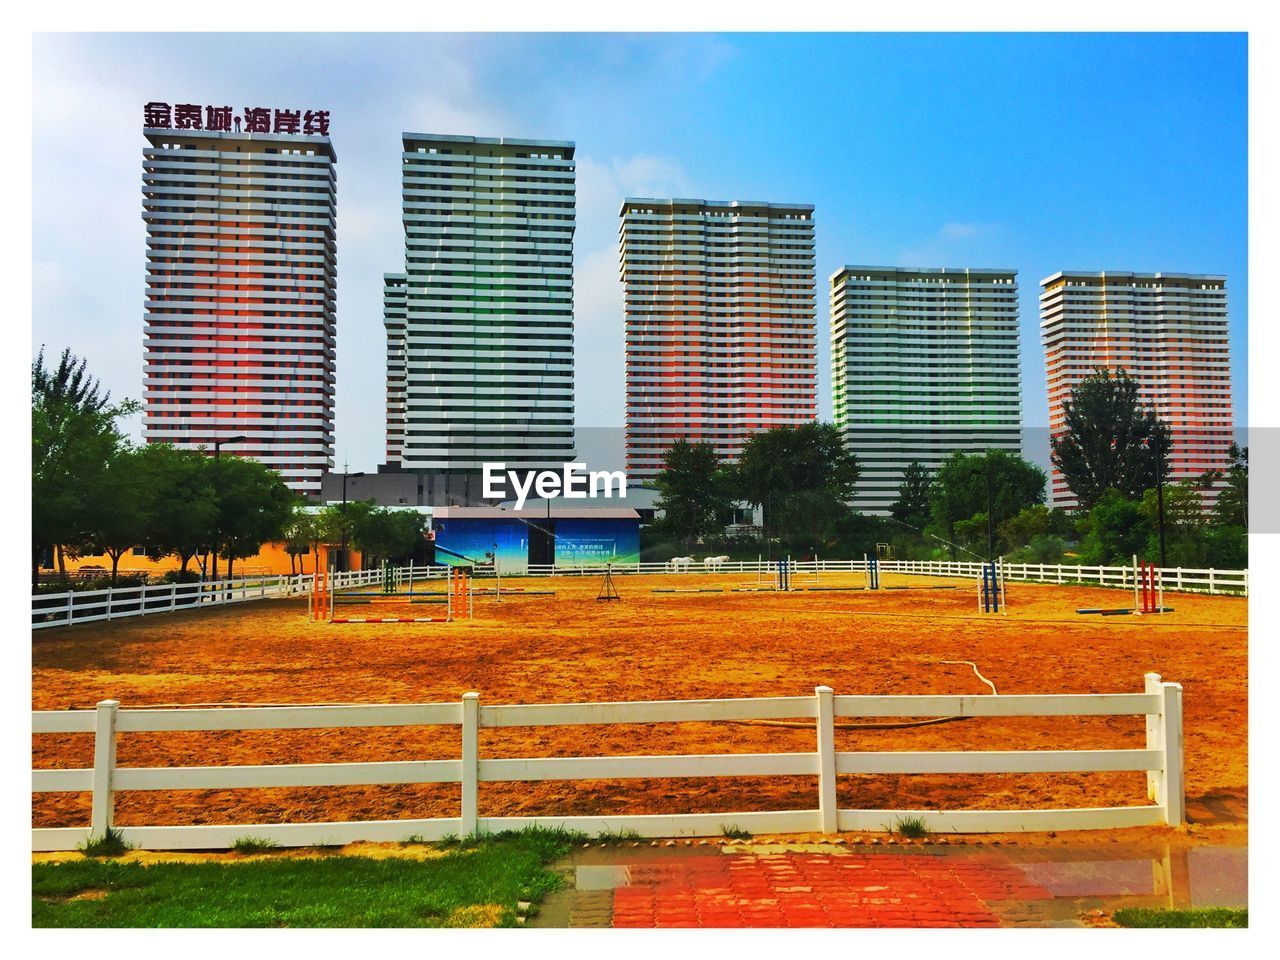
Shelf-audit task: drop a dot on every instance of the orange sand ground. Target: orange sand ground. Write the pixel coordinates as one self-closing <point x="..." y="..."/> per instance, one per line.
<point x="569" y="648"/>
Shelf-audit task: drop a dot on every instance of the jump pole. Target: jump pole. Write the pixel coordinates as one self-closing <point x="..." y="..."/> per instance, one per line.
<point x="1004" y="602"/>
<point x="1137" y="605"/>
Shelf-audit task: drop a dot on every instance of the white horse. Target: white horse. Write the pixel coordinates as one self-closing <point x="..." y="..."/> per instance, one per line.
<point x="714" y="563"/>
<point x="679" y="564"/>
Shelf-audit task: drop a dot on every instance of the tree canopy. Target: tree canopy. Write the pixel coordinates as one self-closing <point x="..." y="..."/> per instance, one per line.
<point x="1110" y="441"/>
<point x="695" y="492"/>
<point x="803" y="477"/>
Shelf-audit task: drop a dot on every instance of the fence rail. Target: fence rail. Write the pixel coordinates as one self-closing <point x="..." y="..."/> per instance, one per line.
<point x="87" y="606"/>
<point x="1181" y="579"/>
<point x="1162" y="760"/>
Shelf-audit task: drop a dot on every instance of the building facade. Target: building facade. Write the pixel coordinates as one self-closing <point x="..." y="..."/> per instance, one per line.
<point x="1166" y="330"/>
<point x="924" y="364"/>
<point x="481" y="319"/>
<point x="240" y="305"/>
<point x="720" y="331"/>
<point x="394" y="287"/>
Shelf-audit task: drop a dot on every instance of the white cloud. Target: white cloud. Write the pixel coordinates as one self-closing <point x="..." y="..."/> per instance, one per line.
<point x="961" y="231"/>
<point x="956" y="244"/>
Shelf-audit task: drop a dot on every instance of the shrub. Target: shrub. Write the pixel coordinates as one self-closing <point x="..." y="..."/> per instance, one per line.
<point x="911" y="827"/>
<point x="180" y="576"/>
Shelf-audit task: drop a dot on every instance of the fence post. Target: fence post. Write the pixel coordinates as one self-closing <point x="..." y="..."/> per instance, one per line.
<point x="1154" y="777"/>
<point x="1211" y="590"/>
<point x="70" y="598"/>
<point x="826" y="758"/>
<point x="104" y="762"/>
<point x="470" y="764"/>
<point x="1171" y="721"/>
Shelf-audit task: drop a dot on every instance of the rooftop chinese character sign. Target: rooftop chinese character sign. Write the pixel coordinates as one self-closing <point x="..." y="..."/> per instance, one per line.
<point x="192" y="116"/>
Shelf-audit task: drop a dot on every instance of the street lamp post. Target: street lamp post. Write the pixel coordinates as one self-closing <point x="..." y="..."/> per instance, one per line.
<point x="217" y="452"/>
<point x="1159" y="452"/>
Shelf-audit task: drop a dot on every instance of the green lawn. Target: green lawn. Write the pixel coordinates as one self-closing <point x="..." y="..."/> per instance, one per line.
<point x="474" y="884"/>
<point x="1216" y="917"/>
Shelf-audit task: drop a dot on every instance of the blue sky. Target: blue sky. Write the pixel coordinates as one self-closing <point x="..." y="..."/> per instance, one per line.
<point x="1038" y="152"/>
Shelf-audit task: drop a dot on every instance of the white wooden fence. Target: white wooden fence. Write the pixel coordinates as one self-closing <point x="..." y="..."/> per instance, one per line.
<point x="1160" y="703"/>
<point x="87" y="606"/>
<point x="1185" y="580"/>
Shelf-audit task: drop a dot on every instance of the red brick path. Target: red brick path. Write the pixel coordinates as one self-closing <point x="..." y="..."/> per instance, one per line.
<point x="813" y="890"/>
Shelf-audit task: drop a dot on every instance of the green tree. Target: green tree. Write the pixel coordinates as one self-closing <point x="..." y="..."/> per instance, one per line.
<point x="1036" y="520"/>
<point x="182" y="506"/>
<point x="960" y="492"/>
<point x="253" y="507"/>
<point x="301" y="533"/>
<point x="802" y="477"/>
<point x="387" y="534"/>
<point x="73" y="436"/>
<point x="1109" y="439"/>
<point x="121" y="509"/>
<point x="337" y="522"/>
<point x="1184" y="524"/>
<point x="913" y="506"/>
<point x="695" y="492"/>
<point x="1115" y="529"/>
<point x="1232" y="506"/>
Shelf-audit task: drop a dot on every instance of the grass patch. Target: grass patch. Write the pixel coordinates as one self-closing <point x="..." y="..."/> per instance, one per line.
<point x="480" y="888"/>
<point x="110" y="844"/>
<point x="613" y="838"/>
<point x="1212" y="917"/>
<point x="735" y="832"/>
<point x="913" y="827"/>
<point x="254" y="845"/>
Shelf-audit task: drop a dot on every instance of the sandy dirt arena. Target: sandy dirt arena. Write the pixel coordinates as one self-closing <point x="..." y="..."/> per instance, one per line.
<point x="650" y="646"/>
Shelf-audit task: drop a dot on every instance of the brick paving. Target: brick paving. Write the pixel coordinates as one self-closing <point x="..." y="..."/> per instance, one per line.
<point x="815" y="890"/>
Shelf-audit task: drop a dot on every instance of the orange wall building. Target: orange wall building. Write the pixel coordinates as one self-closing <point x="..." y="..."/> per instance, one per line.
<point x="271" y="559"/>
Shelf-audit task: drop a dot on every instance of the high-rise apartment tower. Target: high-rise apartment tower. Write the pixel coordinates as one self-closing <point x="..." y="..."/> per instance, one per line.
<point x="1166" y="330"/>
<point x="924" y="364"/>
<point x="720" y="332"/>
<point x="480" y="323"/>
<point x="241" y="284"/>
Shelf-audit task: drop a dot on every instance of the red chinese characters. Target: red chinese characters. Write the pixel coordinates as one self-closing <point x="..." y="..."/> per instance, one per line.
<point x="156" y="114"/>
<point x="193" y="116"/>
<point x="188" y="116"/>
<point x="288" y="121"/>
<point x="218" y="119"/>
<point x="316" y="123"/>
<point x="257" y="120"/>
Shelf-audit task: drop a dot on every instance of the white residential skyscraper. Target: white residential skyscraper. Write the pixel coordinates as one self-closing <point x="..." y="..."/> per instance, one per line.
<point x="241" y="284"/>
<point x="719" y="323"/>
<point x="924" y="363"/>
<point x="482" y="316"/>
<point x="1166" y="330"/>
